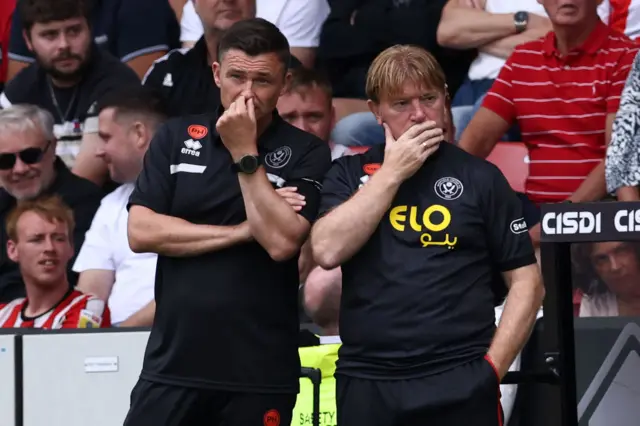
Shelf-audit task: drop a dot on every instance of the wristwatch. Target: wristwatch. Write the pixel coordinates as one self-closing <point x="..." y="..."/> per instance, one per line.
<point x="520" y="20"/>
<point x="247" y="164"/>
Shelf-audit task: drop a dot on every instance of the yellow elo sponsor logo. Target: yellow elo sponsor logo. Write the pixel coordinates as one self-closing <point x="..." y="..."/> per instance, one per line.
<point x="398" y="218"/>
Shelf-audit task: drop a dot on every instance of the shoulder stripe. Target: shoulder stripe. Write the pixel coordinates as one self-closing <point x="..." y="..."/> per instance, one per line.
<point x="182" y="51"/>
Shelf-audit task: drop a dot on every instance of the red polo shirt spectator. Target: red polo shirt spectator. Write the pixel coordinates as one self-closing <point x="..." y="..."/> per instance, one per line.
<point x="561" y="104"/>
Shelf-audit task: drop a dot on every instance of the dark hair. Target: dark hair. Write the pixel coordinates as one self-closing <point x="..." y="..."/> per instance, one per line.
<point x="43" y="11"/>
<point x="138" y="100"/>
<point x="303" y="79"/>
<point x="255" y="37"/>
<point x="585" y="276"/>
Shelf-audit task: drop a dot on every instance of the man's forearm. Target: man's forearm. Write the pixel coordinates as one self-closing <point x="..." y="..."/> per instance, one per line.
<point x="519" y="316"/>
<point x="272" y="221"/>
<point x="467" y="28"/>
<point x="628" y="193"/>
<point x="142" y="318"/>
<point x="593" y="188"/>
<point x="503" y="47"/>
<point x="342" y="232"/>
<point x="172" y="236"/>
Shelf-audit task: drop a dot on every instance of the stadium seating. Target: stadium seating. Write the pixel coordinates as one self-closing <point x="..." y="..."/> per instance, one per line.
<point x="512" y="159"/>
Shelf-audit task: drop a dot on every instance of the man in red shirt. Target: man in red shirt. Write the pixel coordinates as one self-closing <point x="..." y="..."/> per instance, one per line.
<point x="563" y="90"/>
<point x="40" y="242"/>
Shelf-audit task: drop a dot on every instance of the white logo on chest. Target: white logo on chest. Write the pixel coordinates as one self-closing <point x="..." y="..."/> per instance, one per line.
<point x="192" y="147"/>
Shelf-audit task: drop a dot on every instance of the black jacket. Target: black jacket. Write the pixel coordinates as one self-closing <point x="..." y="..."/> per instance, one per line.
<point x="81" y="195"/>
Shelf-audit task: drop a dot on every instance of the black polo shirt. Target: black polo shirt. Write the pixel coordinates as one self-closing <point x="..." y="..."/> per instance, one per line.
<point x="228" y="319"/>
<point x="81" y="195"/>
<point x="418" y="297"/>
<point x="185" y="78"/>
<point x="76" y="112"/>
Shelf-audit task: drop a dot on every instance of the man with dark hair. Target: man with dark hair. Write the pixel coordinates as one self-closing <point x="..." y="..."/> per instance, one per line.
<point x="185" y="76"/>
<point x="136" y="31"/>
<point x="69" y="77"/>
<point x="223" y="346"/>
<point x="128" y="119"/>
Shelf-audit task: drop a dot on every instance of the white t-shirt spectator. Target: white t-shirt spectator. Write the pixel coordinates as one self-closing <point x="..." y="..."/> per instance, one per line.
<point x="299" y="20"/>
<point x="106" y="247"/>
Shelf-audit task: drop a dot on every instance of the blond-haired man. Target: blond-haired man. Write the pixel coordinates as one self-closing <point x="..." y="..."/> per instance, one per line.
<point x="421" y="230"/>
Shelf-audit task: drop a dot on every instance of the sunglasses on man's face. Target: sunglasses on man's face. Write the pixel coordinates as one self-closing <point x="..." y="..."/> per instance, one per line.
<point x="27" y="156"/>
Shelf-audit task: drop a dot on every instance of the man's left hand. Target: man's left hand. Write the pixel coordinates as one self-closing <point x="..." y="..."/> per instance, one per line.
<point x="238" y="129"/>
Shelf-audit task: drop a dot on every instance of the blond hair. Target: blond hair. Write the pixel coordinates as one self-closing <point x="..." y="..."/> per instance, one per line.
<point x="50" y="208"/>
<point x="400" y="64"/>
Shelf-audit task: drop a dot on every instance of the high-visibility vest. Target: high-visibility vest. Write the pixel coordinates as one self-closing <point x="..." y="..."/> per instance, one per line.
<point x="322" y="357"/>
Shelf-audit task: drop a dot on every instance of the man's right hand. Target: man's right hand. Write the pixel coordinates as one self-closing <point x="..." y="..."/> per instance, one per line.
<point x="403" y="157"/>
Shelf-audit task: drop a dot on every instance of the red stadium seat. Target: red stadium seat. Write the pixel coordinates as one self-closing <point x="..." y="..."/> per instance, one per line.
<point x="512" y="159"/>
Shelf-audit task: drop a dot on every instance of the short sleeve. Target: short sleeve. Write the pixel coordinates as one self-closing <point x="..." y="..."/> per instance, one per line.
<point x="97" y="249"/>
<point x="18" y="50"/>
<point x="618" y="79"/>
<point x="190" y="25"/>
<point x="307" y="177"/>
<point x="154" y="186"/>
<point x="499" y="98"/>
<point x="91" y="313"/>
<point x="335" y="187"/>
<point x="301" y="21"/>
<point x="506" y="230"/>
<point x="144" y="27"/>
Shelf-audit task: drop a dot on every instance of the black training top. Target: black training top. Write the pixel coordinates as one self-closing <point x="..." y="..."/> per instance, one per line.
<point x="227" y="319"/>
<point x="418" y="297"/>
<point x="185" y="78"/>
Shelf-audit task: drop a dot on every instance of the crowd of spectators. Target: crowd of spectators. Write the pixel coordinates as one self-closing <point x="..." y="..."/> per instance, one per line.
<point x="85" y="84"/>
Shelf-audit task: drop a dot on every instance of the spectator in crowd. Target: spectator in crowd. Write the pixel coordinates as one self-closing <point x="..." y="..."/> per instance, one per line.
<point x="227" y="245"/>
<point x="354" y="33"/>
<point x="185" y="77"/>
<point x="307" y="104"/>
<point x="299" y="20"/>
<point x="108" y="268"/>
<point x="609" y="276"/>
<point x="40" y="241"/>
<point x="29" y="168"/>
<point x="622" y="165"/>
<point x="136" y="31"/>
<point x="563" y="91"/>
<point x="495" y="28"/>
<point x="69" y="76"/>
<point x="6" y="12"/>
<point x="622" y="16"/>
<point x="412" y="273"/>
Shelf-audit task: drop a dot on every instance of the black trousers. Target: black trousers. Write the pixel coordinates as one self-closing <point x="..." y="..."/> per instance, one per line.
<point x="155" y="404"/>
<point x="467" y="395"/>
